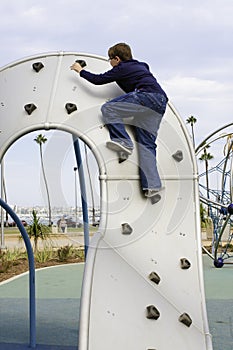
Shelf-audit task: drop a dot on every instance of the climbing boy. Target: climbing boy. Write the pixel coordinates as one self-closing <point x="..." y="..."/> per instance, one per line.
<point x="144" y="100"/>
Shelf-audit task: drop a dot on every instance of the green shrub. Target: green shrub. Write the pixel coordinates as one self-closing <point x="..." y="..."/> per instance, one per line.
<point x="64" y="253"/>
<point x="44" y="255"/>
<point x="9" y="258"/>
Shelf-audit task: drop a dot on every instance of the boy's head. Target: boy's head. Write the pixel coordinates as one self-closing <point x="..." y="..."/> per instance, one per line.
<point x="121" y="50"/>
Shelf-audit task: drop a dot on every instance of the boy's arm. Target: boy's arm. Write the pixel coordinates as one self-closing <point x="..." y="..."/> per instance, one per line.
<point x="97" y="79"/>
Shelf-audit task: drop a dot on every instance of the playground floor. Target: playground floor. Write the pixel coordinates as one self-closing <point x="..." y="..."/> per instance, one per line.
<point x="58" y="297"/>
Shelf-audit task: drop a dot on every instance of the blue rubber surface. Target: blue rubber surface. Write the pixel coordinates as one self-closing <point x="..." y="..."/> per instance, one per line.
<point x="58" y="292"/>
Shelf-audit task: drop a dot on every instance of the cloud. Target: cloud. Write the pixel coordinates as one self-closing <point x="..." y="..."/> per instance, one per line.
<point x="187" y="44"/>
<point x="198" y="89"/>
<point x="210" y="101"/>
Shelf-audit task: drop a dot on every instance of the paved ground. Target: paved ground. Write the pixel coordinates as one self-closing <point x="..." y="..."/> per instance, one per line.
<point x="58" y="294"/>
<point x="58" y="297"/>
<point x="219" y="297"/>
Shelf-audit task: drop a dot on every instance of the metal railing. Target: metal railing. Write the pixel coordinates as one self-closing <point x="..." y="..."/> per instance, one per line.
<point x="32" y="294"/>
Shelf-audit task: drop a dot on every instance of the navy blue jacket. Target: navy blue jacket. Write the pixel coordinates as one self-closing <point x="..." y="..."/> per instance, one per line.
<point x="129" y="75"/>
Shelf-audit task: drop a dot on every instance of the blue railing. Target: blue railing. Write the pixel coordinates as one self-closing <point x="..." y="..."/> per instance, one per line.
<point x="32" y="294"/>
<point x="15" y="218"/>
<point x="83" y="192"/>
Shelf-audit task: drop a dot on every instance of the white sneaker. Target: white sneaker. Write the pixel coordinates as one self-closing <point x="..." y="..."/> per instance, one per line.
<point x="151" y="193"/>
<point x="117" y="147"/>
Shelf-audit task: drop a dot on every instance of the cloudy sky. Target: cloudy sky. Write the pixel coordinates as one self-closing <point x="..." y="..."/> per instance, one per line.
<point x="188" y="45"/>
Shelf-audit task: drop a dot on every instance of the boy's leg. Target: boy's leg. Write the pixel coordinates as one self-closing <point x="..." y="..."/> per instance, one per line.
<point x="146" y="134"/>
<point x="146" y="122"/>
<point x="115" y="111"/>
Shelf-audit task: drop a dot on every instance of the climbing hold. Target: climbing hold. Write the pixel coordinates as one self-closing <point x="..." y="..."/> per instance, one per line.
<point x="230" y="208"/>
<point x="29" y="108"/>
<point x="126" y="229"/>
<point x="219" y="262"/>
<point x="81" y="62"/>
<point x="154" y="277"/>
<point x="178" y="156"/>
<point x="122" y="156"/>
<point x="184" y="264"/>
<point x="37" y="66"/>
<point x="185" y="319"/>
<point x="155" y="199"/>
<point x="70" y="108"/>
<point x="152" y="312"/>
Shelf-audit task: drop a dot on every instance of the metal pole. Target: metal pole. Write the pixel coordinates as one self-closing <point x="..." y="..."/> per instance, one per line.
<point x="75" y="197"/>
<point x="83" y="193"/>
<point x="32" y="288"/>
<point x="2" y="211"/>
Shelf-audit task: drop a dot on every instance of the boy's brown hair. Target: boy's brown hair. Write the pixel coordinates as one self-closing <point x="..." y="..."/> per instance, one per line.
<point x="122" y="50"/>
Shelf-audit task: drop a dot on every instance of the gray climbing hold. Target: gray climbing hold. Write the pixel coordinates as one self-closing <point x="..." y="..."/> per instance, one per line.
<point x="29" y="108"/>
<point x="70" y="107"/>
<point x="152" y="313"/>
<point x="37" y="66"/>
<point x="185" y="319"/>
<point x="155" y="199"/>
<point x="178" y="156"/>
<point x="154" y="277"/>
<point x="185" y="263"/>
<point x="126" y="229"/>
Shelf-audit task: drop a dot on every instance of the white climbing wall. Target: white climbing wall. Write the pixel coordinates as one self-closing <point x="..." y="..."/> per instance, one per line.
<point x="143" y="282"/>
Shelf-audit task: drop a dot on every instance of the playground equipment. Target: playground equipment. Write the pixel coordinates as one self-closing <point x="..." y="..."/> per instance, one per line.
<point x="143" y="275"/>
<point x="216" y="192"/>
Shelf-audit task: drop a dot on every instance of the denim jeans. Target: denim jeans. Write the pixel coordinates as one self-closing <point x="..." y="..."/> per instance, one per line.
<point x="147" y="110"/>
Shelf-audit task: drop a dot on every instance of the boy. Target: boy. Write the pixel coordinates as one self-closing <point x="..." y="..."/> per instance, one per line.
<point x="144" y="99"/>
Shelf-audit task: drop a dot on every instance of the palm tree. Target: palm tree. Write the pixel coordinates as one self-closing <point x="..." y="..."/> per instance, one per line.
<point x="40" y="139"/>
<point x="206" y="157"/>
<point x="203" y="215"/>
<point x="229" y="145"/>
<point x="192" y="120"/>
<point x="37" y="230"/>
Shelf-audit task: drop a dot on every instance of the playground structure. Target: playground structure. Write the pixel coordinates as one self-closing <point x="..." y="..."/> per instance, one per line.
<point x="143" y="272"/>
<point x="216" y="191"/>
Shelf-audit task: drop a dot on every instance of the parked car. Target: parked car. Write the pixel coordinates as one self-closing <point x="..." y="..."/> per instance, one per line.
<point x="70" y="223"/>
<point x="13" y="224"/>
<point x="24" y="222"/>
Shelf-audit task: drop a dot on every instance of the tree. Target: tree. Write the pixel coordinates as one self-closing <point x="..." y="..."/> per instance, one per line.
<point x="206" y="157"/>
<point x="192" y="120"/>
<point x="203" y="215"/>
<point x="37" y="230"/>
<point x="40" y="139"/>
<point x="229" y="145"/>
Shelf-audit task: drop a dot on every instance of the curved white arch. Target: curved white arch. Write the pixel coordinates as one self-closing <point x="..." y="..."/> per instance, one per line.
<point x="119" y="298"/>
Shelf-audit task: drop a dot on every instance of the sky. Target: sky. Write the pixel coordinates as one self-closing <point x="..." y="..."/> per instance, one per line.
<point x="187" y="44"/>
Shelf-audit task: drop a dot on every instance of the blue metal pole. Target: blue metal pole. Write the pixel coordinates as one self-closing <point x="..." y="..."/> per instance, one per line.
<point x="83" y="193"/>
<point x="32" y="288"/>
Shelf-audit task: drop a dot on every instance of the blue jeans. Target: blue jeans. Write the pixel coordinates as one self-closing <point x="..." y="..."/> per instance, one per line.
<point x="147" y="110"/>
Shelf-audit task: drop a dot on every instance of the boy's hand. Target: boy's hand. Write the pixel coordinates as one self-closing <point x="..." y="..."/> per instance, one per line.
<point x="76" y="67"/>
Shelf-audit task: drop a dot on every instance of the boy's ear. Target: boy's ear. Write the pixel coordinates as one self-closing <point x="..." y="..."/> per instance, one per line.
<point x="118" y="59"/>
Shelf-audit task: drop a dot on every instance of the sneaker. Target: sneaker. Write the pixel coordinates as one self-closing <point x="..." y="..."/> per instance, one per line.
<point x="118" y="147"/>
<point x="151" y="193"/>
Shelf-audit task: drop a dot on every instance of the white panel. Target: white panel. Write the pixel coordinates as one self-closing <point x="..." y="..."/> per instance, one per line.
<point x="116" y="287"/>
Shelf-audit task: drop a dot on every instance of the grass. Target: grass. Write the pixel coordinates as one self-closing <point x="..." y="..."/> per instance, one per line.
<point x="14" y="262"/>
<point x="15" y="230"/>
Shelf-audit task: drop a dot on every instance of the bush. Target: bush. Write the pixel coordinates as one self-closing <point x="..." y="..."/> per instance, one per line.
<point x="64" y="253"/>
<point x="44" y="255"/>
<point x="9" y="258"/>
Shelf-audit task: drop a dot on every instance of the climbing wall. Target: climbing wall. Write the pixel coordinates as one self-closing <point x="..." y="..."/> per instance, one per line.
<point x="143" y="282"/>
